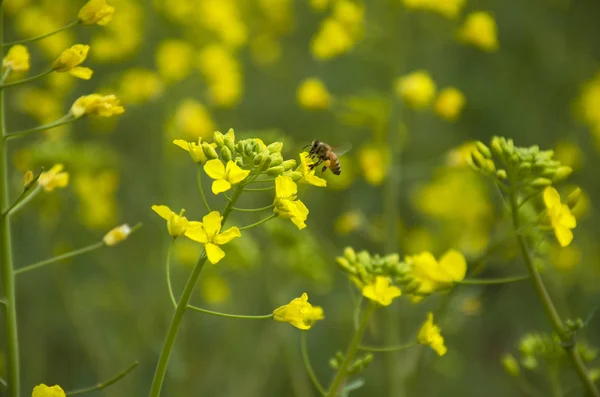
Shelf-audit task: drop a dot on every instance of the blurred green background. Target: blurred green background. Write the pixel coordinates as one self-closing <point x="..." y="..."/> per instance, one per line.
<point x="184" y="68"/>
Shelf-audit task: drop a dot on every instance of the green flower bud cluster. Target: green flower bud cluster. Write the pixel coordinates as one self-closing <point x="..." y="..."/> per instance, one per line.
<point x="356" y="367"/>
<point x="364" y="266"/>
<point x="505" y="161"/>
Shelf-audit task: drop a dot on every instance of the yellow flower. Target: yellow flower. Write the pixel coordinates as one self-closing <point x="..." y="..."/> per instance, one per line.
<point x="430" y="335"/>
<point x="331" y="40"/>
<point x="313" y="95"/>
<point x="299" y="313"/>
<point x="417" y="89"/>
<point x="47" y="391"/>
<point x="97" y="105"/>
<point x="54" y="178"/>
<point x="174" y="59"/>
<point x="374" y="162"/>
<point x="447" y="8"/>
<point x="194" y="149"/>
<point x="286" y="204"/>
<point x="96" y="12"/>
<point x="70" y="59"/>
<point x="449" y="103"/>
<point x="177" y="225"/>
<point x="381" y="291"/>
<point x="224" y="176"/>
<point x="511" y="365"/>
<point x="348" y="222"/>
<point x="308" y="175"/>
<point x="433" y="275"/>
<point x="193" y="119"/>
<point x="17" y="59"/>
<point x="560" y="217"/>
<point x="209" y="233"/>
<point x="116" y="235"/>
<point x="139" y="85"/>
<point x="221" y="70"/>
<point x="479" y="29"/>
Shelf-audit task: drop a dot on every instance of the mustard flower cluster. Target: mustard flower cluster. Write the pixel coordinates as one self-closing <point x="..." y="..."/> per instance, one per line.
<point x="340" y="31"/>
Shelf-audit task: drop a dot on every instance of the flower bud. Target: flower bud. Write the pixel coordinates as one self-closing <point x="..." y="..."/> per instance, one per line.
<point x="219" y="138"/>
<point x="27" y="179"/>
<point x="258" y="159"/>
<point x="484" y="150"/>
<point x="274" y="171"/>
<point x="524" y="168"/>
<point x="275" y="147"/>
<point x="477" y="160"/>
<point x="412" y="286"/>
<point x="501" y="174"/>
<point x="229" y="143"/>
<point x="265" y="162"/>
<point x="511" y="366"/>
<point x="288" y="164"/>
<point x="573" y="197"/>
<point x="295" y="175"/>
<point x="350" y="254"/>
<point x="562" y="173"/>
<point x="240" y="146"/>
<point x="541" y="182"/>
<point x="276" y="159"/>
<point x="490" y="166"/>
<point x="116" y="235"/>
<point x="209" y="151"/>
<point x="497" y="147"/>
<point x="225" y="153"/>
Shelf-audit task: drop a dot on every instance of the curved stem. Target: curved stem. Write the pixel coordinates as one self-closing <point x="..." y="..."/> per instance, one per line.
<point x="168" y="273"/>
<point x="109" y="382"/>
<point x="259" y="222"/>
<point x="351" y="352"/>
<point x="253" y="209"/>
<point x="58" y="258"/>
<point x="199" y="177"/>
<point x="227" y="315"/>
<point x="42" y="36"/>
<point x="386" y="349"/>
<point x="309" y="368"/>
<point x="27" y="79"/>
<point x="538" y="283"/>
<point x="491" y="281"/>
<point x="68" y="118"/>
<point x="23" y="199"/>
<point x="260" y="180"/>
<point x="259" y="189"/>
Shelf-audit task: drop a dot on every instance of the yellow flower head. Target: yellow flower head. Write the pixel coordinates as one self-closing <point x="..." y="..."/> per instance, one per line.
<point x="433" y="275"/>
<point x="417" y="89"/>
<point x="116" y="235"/>
<point x="47" y="391"/>
<point x="299" y="313"/>
<point x="560" y="217"/>
<point x="139" y="85"/>
<point x="96" y="12"/>
<point x="286" y="204"/>
<point x="447" y="8"/>
<point x="308" y="175"/>
<point x="50" y="180"/>
<point x="479" y="30"/>
<point x="209" y="233"/>
<point x="313" y="95"/>
<point x="381" y="291"/>
<point x="430" y="335"/>
<point x="331" y="40"/>
<point x="194" y="149"/>
<point x="224" y="176"/>
<point x="449" y="103"/>
<point x="17" y="59"/>
<point x="193" y="119"/>
<point x="174" y="59"/>
<point x="177" y="225"/>
<point x="97" y="105"/>
<point x="374" y="161"/>
<point x="70" y="59"/>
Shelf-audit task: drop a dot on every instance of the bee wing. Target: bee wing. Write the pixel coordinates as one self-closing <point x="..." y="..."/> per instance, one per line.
<point x="342" y="149"/>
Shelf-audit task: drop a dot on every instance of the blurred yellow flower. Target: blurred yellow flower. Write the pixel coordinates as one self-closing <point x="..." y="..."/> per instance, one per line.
<point x="313" y="95"/>
<point x="299" y="312"/>
<point x="331" y="40"/>
<point x="97" y="197"/>
<point x="194" y="149"/>
<point x="174" y="59"/>
<point x="54" y="178"/>
<point x="569" y="154"/>
<point x="41" y="104"/>
<point x="348" y="222"/>
<point x="320" y="5"/>
<point x="116" y="235"/>
<point x="224" y="176"/>
<point x="222" y="73"/>
<point x="511" y="365"/>
<point x="459" y="156"/>
<point x="430" y="335"/>
<point x="123" y="36"/>
<point x="350" y="13"/>
<point x="214" y="289"/>
<point x="588" y="105"/>
<point x="447" y="8"/>
<point x="223" y="17"/>
<point x="138" y="86"/>
<point x="48" y="391"/>
<point x="177" y="225"/>
<point x="374" y="161"/>
<point x="96" y="12"/>
<point x="265" y="49"/>
<point x="560" y="217"/>
<point x="381" y="291"/>
<point x="432" y="275"/>
<point x="209" y="234"/>
<point x="449" y="103"/>
<point x="70" y="59"/>
<point x="97" y="105"/>
<point x="193" y="119"/>
<point x="35" y="20"/>
<point x="417" y="89"/>
<point x="565" y="258"/>
<point x="17" y="59"/>
<point x="479" y="29"/>
<point x="308" y="175"/>
<point x="286" y="203"/>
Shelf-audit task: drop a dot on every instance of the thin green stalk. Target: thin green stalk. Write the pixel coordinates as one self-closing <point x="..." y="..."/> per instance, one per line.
<point x="253" y="209"/>
<point x="68" y="118"/>
<point x="259" y="222"/>
<point x="27" y="79"/>
<point x="168" y="273"/>
<point x="386" y="349"/>
<point x="538" y="283"/>
<point x="309" y="369"/>
<point x="259" y="189"/>
<point x="351" y="352"/>
<point x="58" y="258"/>
<point x="228" y="315"/>
<point x="199" y="177"/>
<point x="6" y="261"/>
<point x="182" y="306"/>
<point x="260" y="180"/>
<point x="5" y="74"/>
<point x="490" y="281"/>
<point x="3" y="382"/>
<point x="42" y="36"/>
<point x="23" y="199"/>
<point x="104" y="385"/>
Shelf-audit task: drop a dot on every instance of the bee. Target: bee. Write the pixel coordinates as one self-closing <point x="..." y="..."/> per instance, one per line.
<point x="324" y="154"/>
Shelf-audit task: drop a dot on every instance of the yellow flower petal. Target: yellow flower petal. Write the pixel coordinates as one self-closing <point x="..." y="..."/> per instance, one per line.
<point x="564" y="236"/>
<point x="235" y="174"/>
<point x="214" y="253"/>
<point x="220" y="186"/>
<point x="551" y="197"/>
<point x="430" y="335"/>
<point x="196" y="233"/>
<point x="81" y="73"/>
<point x="381" y="291"/>
<point x="212" y="224"/>
<point x="299" y="312"/>
<point x="47" y="391"/>
<point x="182" y="144"/>
<point x="215" y="169"/>
<point x="285" y="187"/>
<point x="163" y="211"/>
<point x="227" y="236"/>
<point x="454" y="265"/>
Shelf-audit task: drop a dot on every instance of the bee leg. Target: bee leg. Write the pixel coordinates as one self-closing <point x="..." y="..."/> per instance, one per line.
<point x="324" y="169"/>
<point x="313" y="166"/>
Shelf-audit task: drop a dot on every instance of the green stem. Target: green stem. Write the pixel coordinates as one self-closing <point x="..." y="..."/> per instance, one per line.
<point x="5" y="74"/>
<point x="351" y="352"/>
<point x="199" y="177"/>
<point x="308" y="366"/>
<point x="69" y="118"/>
<point x="253" y="209"/>
<point x="27" y="79"/>
<point x="259" y="222"/>
<point x="3" y="383"/>
<point x="7" y="273"/>
<point x="227" y="315"/>
<point x="491" y="281"/>
<point x="58" y="258"/>
<point x="538" y="283"/>
<point x="386" y="349"/>
<point x="259" y="189"/>
<point x="42" y="36"/>
<point x="260" y="180"/>
<point x="23" y="199"/>
<point x="182" y="306"/>
<point x="168" y="273"/>
<point x="103" y="385"/>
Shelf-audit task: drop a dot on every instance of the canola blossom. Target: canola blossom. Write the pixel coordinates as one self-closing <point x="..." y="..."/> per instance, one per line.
<point x="308" y="175"/>
<point x="286" y="203"/>
<point x="208" y="233"/>
<point x="430" y="335"/>
<point x="299" y="313"/>
<point x="96" y="12"/>
<point x="177" y="224"/>
<point x="381" y="291"/>
<point x="561" y="218"/>
<point x="54" y="178"/>
<point x="17" y="59"/>
<point x="47" y="391"/>
<point x="97" y="105"/>
<point x="225" y="176"/>
<point x="432" y="275"/>
<point x="70" y="59"/>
